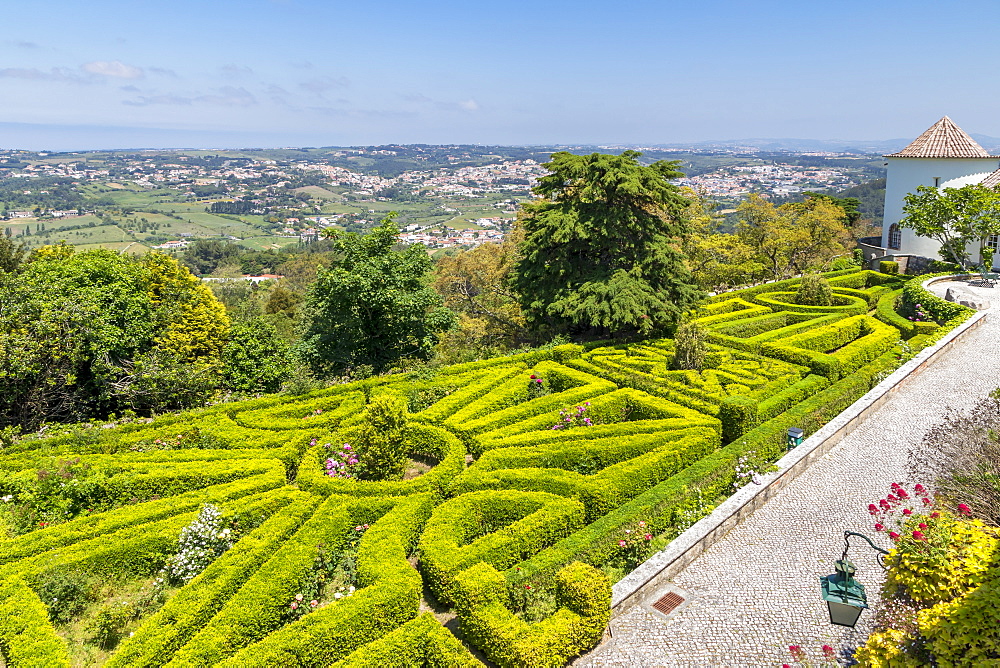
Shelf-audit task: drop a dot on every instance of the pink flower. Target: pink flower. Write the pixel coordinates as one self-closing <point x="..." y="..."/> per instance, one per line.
<point x="298" y="597"/>
<point x="622" y="543"/>
<point x="901" y="493"/>
<point x="346" y="446"/>
<point x="883" y="504"/>
<point x="891" y="499"/>
<point x="918" y="488"/>
<point x="895" y="485"/>
<point x="893" y="535"/>
<point x="829" y="653"/>
<point x="293" y="606"/>
<point x="922" y="525"/>
<point x="872" y="509"/>
<point x="314" y="603"/>
<point x="907" y="511"/>
<point x="641" y="523"/>
<point x="879" y="527"/>
<point x="918" y="535"/>
<point x="935" y="515"/>
<point x="964" y="509"/>
<point x="648" y="536"/>
<point x="926" y="501"/>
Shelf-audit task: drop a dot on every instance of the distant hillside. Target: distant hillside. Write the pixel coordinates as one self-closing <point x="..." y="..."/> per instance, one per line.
<point x="872" y="197"/>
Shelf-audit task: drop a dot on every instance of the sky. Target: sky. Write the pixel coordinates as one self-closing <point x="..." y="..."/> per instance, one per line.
<point x="263" y="73"/>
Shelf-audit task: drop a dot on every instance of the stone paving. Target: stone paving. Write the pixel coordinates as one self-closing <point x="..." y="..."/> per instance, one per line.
<point x="756" y="591"/>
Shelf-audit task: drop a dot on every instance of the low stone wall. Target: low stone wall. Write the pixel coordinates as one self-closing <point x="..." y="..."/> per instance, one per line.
<point x="659" y="569"/>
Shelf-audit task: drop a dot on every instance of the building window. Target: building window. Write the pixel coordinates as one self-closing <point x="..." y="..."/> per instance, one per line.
<point x="895" y="238"/>
<point x="937" y="181"/>
<point x="993" y="241"/>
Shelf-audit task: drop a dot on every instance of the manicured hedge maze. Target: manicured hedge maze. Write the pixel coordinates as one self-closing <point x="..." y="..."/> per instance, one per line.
<point x="512" y="516"/>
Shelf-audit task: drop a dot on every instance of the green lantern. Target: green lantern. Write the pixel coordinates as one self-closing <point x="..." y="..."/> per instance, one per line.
<point x="845" y="597"/>
<point x="795" y="437"/>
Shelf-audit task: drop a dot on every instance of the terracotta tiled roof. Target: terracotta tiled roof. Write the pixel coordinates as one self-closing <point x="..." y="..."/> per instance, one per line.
<point x="944" y="139"/>
<point x="991" y="181"/>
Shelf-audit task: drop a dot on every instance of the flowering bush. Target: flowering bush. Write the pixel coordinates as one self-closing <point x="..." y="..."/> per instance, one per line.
<point x="746" y="470"/>
<point x="634" y="545"/>
<point x="919" y="314"/>
<point x="940" y="561"/>
<point x="201" y="542"/>
<point x="575" y="417"/>
<point x="342" y="461"/>
<point x="801" y="657"/>
<point x="536" y="387"/>
<point x="331" y="576"/>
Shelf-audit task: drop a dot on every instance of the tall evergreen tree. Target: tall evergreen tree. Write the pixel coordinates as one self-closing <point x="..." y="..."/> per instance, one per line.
<point x="601" y="254"/>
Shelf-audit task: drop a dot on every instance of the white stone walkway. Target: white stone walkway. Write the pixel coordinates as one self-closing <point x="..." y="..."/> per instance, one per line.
<point x="756" y="591"/>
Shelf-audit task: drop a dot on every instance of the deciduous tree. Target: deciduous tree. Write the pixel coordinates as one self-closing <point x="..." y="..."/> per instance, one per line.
<point x="373" y="306"/>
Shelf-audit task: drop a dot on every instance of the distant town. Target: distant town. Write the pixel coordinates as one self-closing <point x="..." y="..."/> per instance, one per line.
<point x="445" y="197"/>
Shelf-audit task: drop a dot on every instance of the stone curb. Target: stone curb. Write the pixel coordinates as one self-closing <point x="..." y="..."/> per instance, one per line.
<point x="643" y="582"/>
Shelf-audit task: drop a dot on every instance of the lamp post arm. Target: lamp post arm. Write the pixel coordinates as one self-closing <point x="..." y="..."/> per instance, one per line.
<point x="848" y="534"/>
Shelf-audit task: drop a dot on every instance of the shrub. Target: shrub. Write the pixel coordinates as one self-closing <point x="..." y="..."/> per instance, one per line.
<point x="108" y="624"/>
<point x="65" y="592"/>
<point x="888" y="267"/>
<point x="381" y="441"/>
<point x="690" y="346"/>
<point x="814" y="290"/>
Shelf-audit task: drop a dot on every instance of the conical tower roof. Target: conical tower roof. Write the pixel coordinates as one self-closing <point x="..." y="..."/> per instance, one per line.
<point x="944" y="139"/>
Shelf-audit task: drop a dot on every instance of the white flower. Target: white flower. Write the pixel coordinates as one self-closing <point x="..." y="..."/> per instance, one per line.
<point x="338" y="595"/>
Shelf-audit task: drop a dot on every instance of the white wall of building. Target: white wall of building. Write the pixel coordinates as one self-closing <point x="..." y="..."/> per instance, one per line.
<point x="903" y="175"/>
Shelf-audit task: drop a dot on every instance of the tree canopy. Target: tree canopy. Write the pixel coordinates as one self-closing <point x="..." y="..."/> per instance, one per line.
<point x="954" y="217"/>
<point x="75" y="327"/>
<point x="373" y="306"/>
<point x="601" y="254"/>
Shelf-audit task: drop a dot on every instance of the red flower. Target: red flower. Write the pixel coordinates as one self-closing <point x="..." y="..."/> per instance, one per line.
<point x="926" y="501"/>
<point x="922" y="525"/>
<point x="892" y="499"/>
<point x="883" y="504"/>
<point x="935" y="515"/>
<point x="828" y="653"/>
<point x="907" y="511"/>
<point x="872" y="509"/>
<point x="918" y="488"/>
<point x="895" y="485"/>
<point x="918" y="535"/>
<point x="527" y="586"/>
<point x="879" y="526"/>
<point x="964" y="509"/>
<point x="901" y="493"/>
<point x="533" y="376"/>
<point x="893" y="535"/>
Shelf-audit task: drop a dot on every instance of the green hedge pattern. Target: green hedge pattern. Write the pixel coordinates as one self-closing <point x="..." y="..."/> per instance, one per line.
<point x="509" y="503"/>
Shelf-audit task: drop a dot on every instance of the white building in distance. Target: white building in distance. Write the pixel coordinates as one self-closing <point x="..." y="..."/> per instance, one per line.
<point x="944" y="157"/>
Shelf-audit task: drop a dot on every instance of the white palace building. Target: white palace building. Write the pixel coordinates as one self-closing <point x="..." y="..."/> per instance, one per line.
<point x="945" y="157"/>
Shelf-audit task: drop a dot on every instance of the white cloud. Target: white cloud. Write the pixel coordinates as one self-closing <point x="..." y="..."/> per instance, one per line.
<point x="469" y="105"/>
<point x="113" y="68"/>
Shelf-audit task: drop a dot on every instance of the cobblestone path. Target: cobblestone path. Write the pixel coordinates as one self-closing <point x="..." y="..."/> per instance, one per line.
<point x="756" y="592"/>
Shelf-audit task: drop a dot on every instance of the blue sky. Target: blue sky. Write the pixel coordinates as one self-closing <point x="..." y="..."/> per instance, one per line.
<point x="104" y="74"/>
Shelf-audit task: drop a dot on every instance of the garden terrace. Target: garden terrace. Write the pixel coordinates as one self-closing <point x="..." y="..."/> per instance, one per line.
<point x="533" y="483"/>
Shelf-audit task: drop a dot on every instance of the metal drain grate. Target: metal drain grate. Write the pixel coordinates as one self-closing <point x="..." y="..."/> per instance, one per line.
<point x="668" y="603"/>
